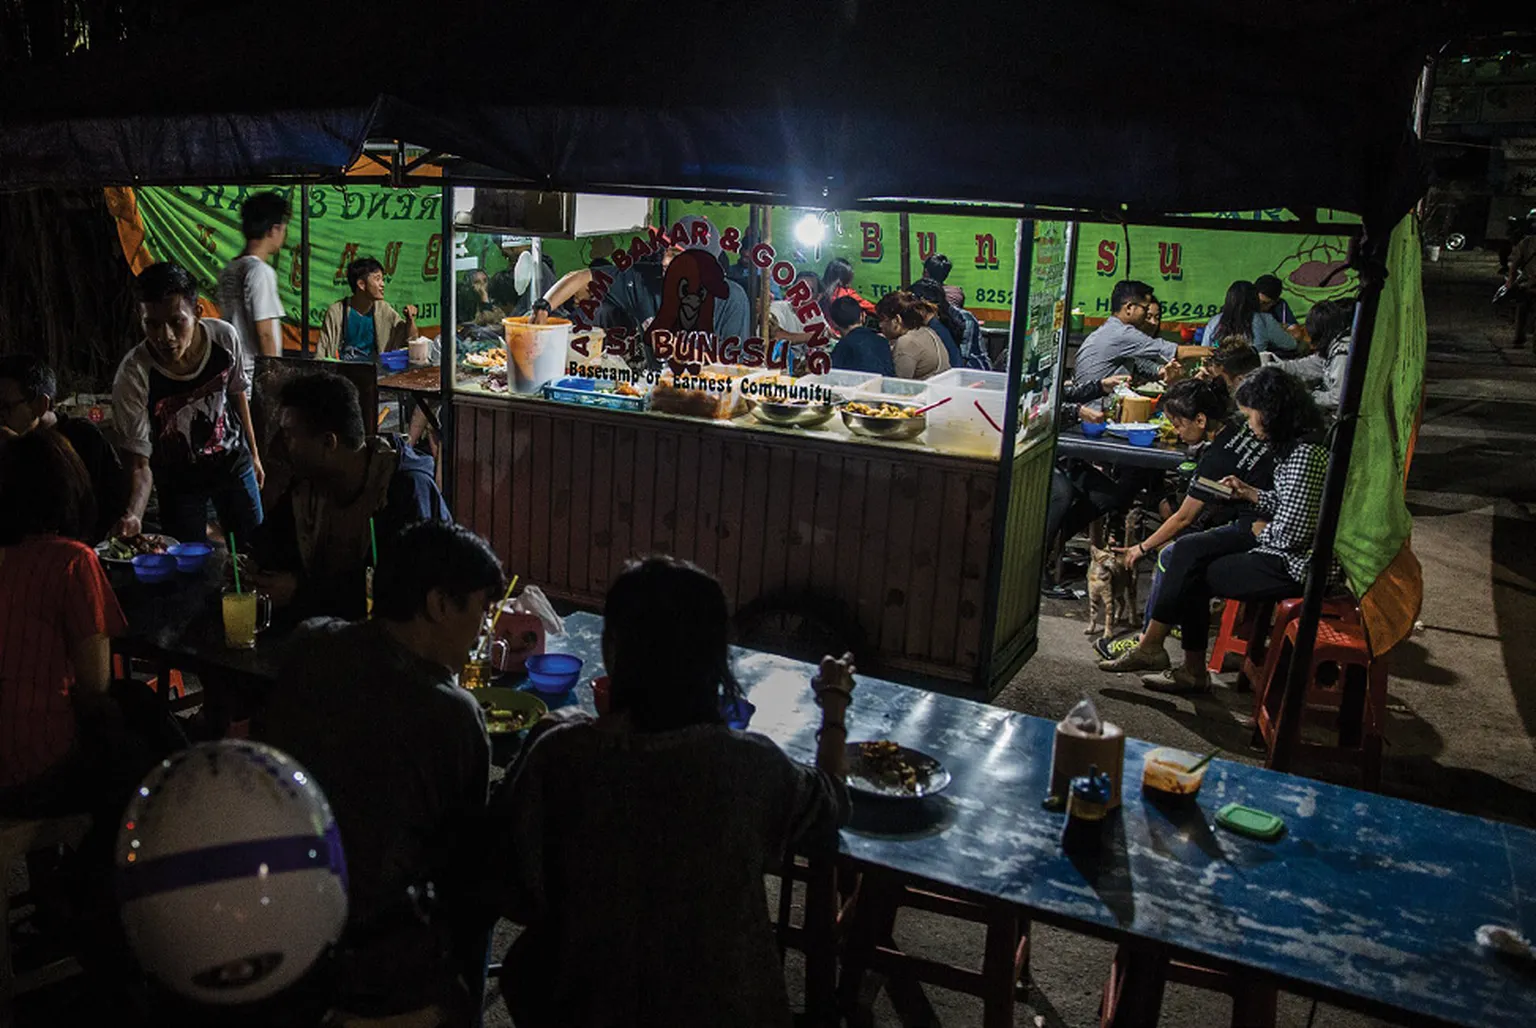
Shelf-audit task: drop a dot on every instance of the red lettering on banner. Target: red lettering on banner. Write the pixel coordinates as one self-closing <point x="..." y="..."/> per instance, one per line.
<point x="783" y="273"/>
<point x="579" y="344"/>
<point x="730" y="351"/>
<point x="798" y="294"/>
<point x="873" y="248"/>
<point x="730" y="240"/>
<point x="348" y="255"/>
<point x="818" y="362"/>
<point x="1108" y="257"/>
<point x="621" y="259"/>
<point x="391" y="259"/>
<point x="705" y="348"/>
<point x="701" y="233"/>
<point x="638" y="248"/>
<point x="434" y="262"/>
<point x="778" y="354"/>
<point x="808" y="312"/>
<point x="752" y="352"/>
<point x="660" y="240"/>
<point x="661" y="344"/>
<point x="927" y="245"/>
<point x="616" y="341"/>
<point x="761" y="255"/>
<point x="986" y="250"/>
<point x="679" y="234"/>
<point x="819" y="332"/>
<point x="1168" y="260"/>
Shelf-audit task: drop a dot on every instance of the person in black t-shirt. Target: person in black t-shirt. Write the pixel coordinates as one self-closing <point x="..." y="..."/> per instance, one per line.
<point x="28" y="388"/>
<point x="1201" y="412"/>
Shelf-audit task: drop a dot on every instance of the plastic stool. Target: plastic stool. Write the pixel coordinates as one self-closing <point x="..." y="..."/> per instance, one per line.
<point x="1346" y="692"/>
<point x="1259" y="661"/>
<point x="1239" y="623"/>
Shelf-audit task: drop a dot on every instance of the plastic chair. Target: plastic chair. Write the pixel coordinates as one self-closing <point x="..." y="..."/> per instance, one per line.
<point x="1239" y="623"/>
<point x="1346" y="689"/>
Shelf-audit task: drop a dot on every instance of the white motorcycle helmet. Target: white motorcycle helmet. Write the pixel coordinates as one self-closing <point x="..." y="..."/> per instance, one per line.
<point x="230" y="873"/>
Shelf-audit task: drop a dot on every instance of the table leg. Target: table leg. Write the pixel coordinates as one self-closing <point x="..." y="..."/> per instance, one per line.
<point x="1133" y="995"/>
<point x="872" y="922"/>
<point x="999" y="968"/>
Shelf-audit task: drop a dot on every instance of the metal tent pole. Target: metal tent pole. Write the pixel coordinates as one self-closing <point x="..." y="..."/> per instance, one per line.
<point x="304" y="268"/>
<point x="1371" y="262"/>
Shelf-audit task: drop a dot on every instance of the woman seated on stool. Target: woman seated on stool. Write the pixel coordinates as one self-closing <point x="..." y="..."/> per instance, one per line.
<point x="1263" y="558"/>
<point x="1201" y="412"/>
<point x="633" y="847"/>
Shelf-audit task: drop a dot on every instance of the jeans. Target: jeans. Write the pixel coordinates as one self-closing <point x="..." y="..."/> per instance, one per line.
<point x="1081" y="493"/>
<point x="184" y="511"/>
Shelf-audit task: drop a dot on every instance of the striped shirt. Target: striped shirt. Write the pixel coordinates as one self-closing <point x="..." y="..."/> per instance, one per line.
<point x="53" y="595"/>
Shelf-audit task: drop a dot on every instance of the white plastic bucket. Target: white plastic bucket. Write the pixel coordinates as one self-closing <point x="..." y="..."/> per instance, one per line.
<point x="535" y="353"/>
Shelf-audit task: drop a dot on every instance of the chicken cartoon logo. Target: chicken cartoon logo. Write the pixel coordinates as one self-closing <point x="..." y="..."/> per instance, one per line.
<point x="694" y="281"/>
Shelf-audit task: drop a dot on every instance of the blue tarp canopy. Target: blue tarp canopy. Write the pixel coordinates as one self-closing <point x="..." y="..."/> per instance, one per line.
<point x="1092" y="105"/>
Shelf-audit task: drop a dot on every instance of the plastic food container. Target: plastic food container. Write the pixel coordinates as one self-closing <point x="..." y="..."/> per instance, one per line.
<point x="1165" y="771"/>
<point x="588" y="392"/>
<point x="154" y="567"/>
<point x="1094" y="429"/>
<point x="714" y="393"/>
<point x="843" y="383"/>
<point x="190" y="557"/>
<point x="535" y="353"/>
<point x="394" y="360"/>
<point x="972" y="421"/>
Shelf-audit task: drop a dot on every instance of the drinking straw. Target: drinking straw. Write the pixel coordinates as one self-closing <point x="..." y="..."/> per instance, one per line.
<point x="373" y="542"/>
<point x="1203" y="761"/>
<point x="497" y="616"/>
<point x="234" y="557"/>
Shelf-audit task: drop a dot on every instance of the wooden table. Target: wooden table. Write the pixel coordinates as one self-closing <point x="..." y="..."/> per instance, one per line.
<point x="1367" y="902"/>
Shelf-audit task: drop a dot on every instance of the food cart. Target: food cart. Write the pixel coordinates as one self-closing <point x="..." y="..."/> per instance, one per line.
<point x="921" y="552"/>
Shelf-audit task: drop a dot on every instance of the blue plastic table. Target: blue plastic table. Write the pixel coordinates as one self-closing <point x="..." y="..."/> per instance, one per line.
<point x="1367" y="901"/>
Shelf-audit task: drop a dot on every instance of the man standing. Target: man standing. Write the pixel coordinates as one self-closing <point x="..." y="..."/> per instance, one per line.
<point x="248" y="285"/>
<point x="1521" y="279"/>
<point x="183" y="415"/>
<point x="363" y="325"/>
<point x="1119" y="345"/>
<point x="27" y="392"/>
<point x="373" y="710"/>
<point x="348" y="491"/>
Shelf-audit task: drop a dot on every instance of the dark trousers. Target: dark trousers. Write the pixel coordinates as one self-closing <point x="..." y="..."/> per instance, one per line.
<point x="184" y="511"/>
<point x="1525" y="315"/>
<point x="1219" y="562"/>
<point x="1081" y="493"/>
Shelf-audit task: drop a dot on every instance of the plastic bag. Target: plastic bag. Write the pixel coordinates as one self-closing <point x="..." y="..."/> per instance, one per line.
<point x="533" y="601"/>
<point x="1085" y="718"/>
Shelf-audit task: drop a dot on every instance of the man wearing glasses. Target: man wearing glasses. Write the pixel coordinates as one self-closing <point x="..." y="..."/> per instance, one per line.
<point x="1120" y="345"/>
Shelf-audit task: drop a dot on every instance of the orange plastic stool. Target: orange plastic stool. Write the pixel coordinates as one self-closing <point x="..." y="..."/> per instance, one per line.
<point x="1346" y="693"/>
<point x="1239" y="622"/>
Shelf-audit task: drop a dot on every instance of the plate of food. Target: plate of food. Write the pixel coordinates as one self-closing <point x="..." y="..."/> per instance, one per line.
<point x="509" y="711"/>
<point x="122" y="549"/>
<point x="891" y="771"/>
<point x="485" y="360"/>
<point x="1151" y="389"/>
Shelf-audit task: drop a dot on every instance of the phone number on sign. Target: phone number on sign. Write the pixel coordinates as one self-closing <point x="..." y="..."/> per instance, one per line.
<point x="994" y="296"/>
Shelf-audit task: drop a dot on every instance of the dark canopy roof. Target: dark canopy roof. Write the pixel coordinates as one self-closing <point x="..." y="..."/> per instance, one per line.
<point x="1202" y="105"/>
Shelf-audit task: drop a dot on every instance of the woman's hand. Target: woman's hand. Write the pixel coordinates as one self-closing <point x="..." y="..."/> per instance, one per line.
<point x="1108" y="385"/>
<point x="833" y="686"/>
<point x="1241" y="489"/>
<point x="1131" y="554"/>
<point x="1258" y="528"/>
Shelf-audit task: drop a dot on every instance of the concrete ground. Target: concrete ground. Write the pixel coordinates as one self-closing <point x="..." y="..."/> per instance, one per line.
<point x="1462" y="696"/>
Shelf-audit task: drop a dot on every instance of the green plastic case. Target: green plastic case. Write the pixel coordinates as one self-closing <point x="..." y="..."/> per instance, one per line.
<point x="1256" y="824"/>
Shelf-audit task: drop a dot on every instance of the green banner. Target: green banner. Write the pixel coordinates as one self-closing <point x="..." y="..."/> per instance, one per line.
<point x="199" y="227"/>
<point x="1190" y="269"/>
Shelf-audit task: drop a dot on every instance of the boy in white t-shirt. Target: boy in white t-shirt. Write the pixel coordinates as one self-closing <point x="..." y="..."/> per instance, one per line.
<point x="248" y="286"/>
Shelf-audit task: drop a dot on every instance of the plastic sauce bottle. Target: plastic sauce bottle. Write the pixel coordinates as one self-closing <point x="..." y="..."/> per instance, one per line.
<point x="1087" y="808"/>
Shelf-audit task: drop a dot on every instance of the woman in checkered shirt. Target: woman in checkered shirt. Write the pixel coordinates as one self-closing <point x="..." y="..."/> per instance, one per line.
<point x="1264" y="558"/>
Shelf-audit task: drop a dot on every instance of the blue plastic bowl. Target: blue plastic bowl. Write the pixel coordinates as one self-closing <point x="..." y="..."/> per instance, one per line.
<point x="1094" y="429"/>
<point x="190" y="557"/>
<point x="739" y="714"/>
<point x="154" y="567"/>
<point x="553" y="674"/>
<point x="1142" y="436"/>
<point x="395" y="360"/>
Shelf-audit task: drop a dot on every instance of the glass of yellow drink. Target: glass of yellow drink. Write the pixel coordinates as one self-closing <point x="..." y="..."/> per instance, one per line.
<point x="245" y="614"/>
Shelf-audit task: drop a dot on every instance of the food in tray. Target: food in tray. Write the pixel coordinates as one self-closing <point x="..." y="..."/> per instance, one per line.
<point x="880" y="410"/>
<point x="1152" y="389"/>
<point x="699" y="396"/>
<point x="495" y="357"/>
<point x="625" y="389"/>
<point x="128" y="547"/>
<point x="498" y="720"/>
<point x="886" y="762"/>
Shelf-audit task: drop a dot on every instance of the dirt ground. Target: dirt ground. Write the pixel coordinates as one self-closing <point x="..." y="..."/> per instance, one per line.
<point x="1462" y="705"/>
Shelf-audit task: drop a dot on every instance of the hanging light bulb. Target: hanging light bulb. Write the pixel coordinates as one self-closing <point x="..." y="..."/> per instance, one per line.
<point x="810" y="231"/>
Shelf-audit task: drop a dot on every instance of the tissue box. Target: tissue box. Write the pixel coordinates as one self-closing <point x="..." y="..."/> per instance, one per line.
<point x="1074" y="751"/>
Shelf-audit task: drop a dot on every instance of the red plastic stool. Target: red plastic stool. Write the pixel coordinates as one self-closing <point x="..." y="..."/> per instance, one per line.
<point x="1239" y="623"/>
<point x="1346" y="693"/>
<point x="121" y="668"/>
<point x="1264" y="647"/>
